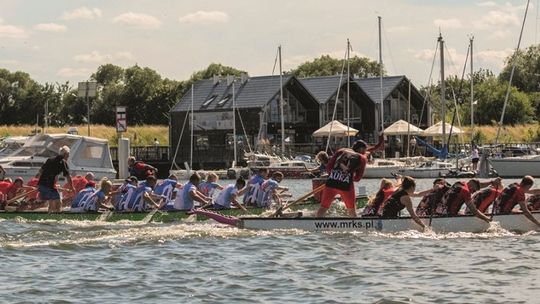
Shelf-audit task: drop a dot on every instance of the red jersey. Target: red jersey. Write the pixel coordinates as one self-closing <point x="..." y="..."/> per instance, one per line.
<point x="79" y="182"/>
<point x="482" y="199"/>
<point x="344" y="168"/>
<point x="454" y="198"/>
<point x="509" y="198"/>
<point x="33" y="182"/>
<point x="9" y="189"/>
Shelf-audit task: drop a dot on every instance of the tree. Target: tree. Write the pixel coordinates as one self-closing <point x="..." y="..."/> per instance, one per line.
<point x="526" y="75"/>
<point x="328" y="66"/>
<point x="108" y="74"/>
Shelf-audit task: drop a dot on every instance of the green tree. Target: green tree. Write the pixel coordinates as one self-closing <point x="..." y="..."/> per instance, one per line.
<point x="527" y="72"/>
<point x="328" y="66"/>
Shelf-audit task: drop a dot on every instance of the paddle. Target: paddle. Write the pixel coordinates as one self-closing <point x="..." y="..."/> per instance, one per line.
<point x="18" y="197"/>
<point x="303" y="197"/>
<point x="150" y="215"/>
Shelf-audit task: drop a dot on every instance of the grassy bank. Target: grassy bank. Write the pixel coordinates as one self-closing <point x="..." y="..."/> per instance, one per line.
<point x="144" y="135"/>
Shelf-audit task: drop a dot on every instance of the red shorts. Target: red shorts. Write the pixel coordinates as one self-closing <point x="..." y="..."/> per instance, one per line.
<point x="348" y="197"/>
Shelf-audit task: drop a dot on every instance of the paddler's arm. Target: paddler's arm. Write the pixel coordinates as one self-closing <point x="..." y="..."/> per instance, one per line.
<point x="494" y="181"/>
<point x="476" y="212"/>
<point x="236" y="203"/>
<point x="243" y="190"/>
<point x="528" y="213"/>
<point x="406" y="200"/>
<point x="422" y="193"/>
<point x="533" y="191"/>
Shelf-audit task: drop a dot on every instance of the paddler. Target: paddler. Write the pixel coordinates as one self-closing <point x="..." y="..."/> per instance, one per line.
<point x="125" y="193"/>
<point x="100" y="199"/>
<point x="229" y="195"/>
<point x="400" y="200"/>
<point x="483" y="198"/>
<point x="513" y="195"/>
<point x="83" y="196"/>
<point x="386" y="189"/>
<point x="48" y="172"/>
<point x="268" y="192"/>
<point x="189" y="195"/>
<point x="344" y="168"/>
<point x="253" y="185"/>
<point x="322" y="159"/>
<point x="165" y="189"/>
<point x="209" y="186"/>
<point x="431" y="198"/>
<point x="461" y="193"/>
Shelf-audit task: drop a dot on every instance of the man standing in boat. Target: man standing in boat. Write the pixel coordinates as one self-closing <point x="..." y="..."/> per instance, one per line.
<point x="47" y="179"/>
<point x="344" y="168"/>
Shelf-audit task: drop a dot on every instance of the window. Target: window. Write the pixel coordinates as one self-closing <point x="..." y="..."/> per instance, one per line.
<point x="209" y="101"/>
<point x="222" y="102"/>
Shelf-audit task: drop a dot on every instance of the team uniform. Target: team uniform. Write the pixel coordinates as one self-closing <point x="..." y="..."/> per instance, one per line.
<point x="509" y="198"/>
<point x="482" y="199"/>
<point x="208" y="188"/>
<point x="137" y="203"/>
<point x="127" y="195"/>
<point x="454" y="199"/>
<point x="341" y="181"/>
<point x="264" y="198"/>
<point x="375" y="207"/>
<point x="429" y="202"/>
<point x="165" y="189"/>
<point x="91" y="205"/>
<point x="393" y="206"/>
<point x="33" y="182"/>
<point x="79" y="182"/>
<point x="82" y="197"/>
<point x="254" y="184"/>
<point x="184" y="200"/>
<point x="225" y="197"/>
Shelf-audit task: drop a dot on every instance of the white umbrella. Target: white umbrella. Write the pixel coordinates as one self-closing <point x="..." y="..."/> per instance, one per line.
<point x="401" y="127"/>
<point x="335" y="128"/>
<point x="436" y="130"/>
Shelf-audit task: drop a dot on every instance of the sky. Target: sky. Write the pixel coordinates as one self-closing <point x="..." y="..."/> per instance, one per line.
<point x="66" y="40"/>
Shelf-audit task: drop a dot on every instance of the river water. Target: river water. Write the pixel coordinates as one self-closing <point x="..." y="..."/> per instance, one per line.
<point x="92" y="262"/>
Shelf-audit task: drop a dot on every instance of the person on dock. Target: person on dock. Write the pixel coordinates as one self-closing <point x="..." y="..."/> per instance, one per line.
<point x="209" y="186"/>
<point x="461" y="193"/>
<point x="189" y="195"/>
<point x="432" y="197"/>
<point x="485" y="197"/>
<point x="165" y="189"/>
<point x="100" y="199"/>
<point x="513" y="195"/>
<point x="344" y="168"/>
<point x="268" y="192"/>
<point x="82" y="197"/>
<point x="322" y="159"/>
<point x="253" y="186"/>
<point x="475" y="157"/>
<point x="386" y="189"/>
<point x="229" y="196"/>
<point x="48" y="172"/>
<point x="140" y="169"/>
<point x="400" y="200"/>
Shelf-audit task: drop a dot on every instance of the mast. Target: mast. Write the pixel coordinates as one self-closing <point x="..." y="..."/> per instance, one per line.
<point x="381" y="104"/>
<point x="191" y="145"/>
<point x="234" y="122"/>
<point x="348" y="93"/>
<point x="409" y="121"/>
<point x="472" y="88"/>
<point x="281" y="105"/>
<point x="443" y="99"/>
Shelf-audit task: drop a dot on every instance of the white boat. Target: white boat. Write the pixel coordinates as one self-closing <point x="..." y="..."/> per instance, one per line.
<point x="88" y="154"/>
<point x="290" y="168"/>
<point x="463" y="223"/>
<point x="383" y="168"/>
<point x="429" y="169"/>
<point x="517" y="166"/>
<point x="10" y="144"/>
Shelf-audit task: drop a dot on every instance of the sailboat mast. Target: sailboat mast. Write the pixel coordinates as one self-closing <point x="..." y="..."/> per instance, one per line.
<point x="472" y="88"/>
<point x="381" y="104"/>
<point x="234" y="123"/>
<point x="281" y="101"/>
<point x="348" y="93"/>
<point x="192" y="127"/>
<point x="443" y="99"/>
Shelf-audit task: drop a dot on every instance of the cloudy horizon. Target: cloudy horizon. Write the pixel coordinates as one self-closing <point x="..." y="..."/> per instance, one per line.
<point x="67" y="40"/>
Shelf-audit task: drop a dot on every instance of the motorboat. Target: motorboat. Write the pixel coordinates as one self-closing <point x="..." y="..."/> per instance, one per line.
<point x="379" y="168"/>
<point x="428" y="169"/>
<point x="10" y="144"/>
<point x="516" y="166"/>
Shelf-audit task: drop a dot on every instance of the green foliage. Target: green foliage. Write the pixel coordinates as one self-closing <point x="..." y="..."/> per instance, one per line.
<point x="527" y="63"/>
<point x="327" y="66"/>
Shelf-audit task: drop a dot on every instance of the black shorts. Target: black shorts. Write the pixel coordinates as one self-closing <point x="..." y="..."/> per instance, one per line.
<point x="475" y="160"/>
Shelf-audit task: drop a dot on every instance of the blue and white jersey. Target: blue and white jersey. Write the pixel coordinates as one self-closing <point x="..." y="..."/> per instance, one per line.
<point x="91" y="203"/>
<point x="264" y="198"/>
<point x="120" y="191"/>
<point x="137" y="203"/>
<point x="165" y="188"/>
<point x="184" y="200"/>
<point x="81" y="198"/>
<point x="224" y="198"/>
<point x="254" y="184"/>
<point x="208" y="188"/>
<point x="127" y="195"/>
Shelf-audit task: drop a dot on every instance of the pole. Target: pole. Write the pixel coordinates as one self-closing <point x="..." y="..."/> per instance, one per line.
<point x="234" y="123"/>
<point x="87" y="105"/>
<point x="281" y="105"/>
<point x="192" y="127"/>
<point x="381" y="104"/>
<point x="409" y="121"/>
<point x="472" y="90"/>
<point x="443" y="99"/>
<point x="348" y="92"/>
<point x="46" y="116"/>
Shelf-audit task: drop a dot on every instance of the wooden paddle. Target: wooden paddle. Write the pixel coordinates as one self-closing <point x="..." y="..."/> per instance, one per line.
<point x="18" y="197"/>
<point x="300" y="199"/>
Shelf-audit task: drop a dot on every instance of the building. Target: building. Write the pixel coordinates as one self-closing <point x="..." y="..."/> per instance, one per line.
<point x="308" y="104"/>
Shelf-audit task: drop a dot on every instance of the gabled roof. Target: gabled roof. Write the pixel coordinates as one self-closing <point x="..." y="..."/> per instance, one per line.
<point x="255" y="92"/>
<point x="322" y="88"/>
<point x="372" y="86"/>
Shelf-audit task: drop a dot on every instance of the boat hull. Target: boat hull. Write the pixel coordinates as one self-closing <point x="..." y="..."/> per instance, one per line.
<point x="512" y="222"/>
<point x="516" y="166"/>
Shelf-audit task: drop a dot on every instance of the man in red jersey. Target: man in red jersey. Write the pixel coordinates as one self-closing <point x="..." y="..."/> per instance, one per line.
<point x="513" y="195"/>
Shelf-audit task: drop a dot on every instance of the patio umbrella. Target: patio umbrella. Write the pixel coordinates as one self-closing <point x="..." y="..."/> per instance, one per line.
<point x="335" y="128"/>
<point x="436" y="130"/>
<point x="401" y="127"/>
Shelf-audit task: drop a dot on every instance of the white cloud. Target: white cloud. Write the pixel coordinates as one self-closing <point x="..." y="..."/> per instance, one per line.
<point x="502" y="17"/>
<point x="82" y="13"/>
<point x="205" y="17"/>
<point x="495" y="57"/>
<point x="74" y="72"/>
<point x="136" y="20"/>
<point x="499" y="34"/>
<point x="97" y="57"/>
<point x="424" y="54"/>
<point x="487" y="4"/>
<point x="50" y="27"/>
<point x="11" y="31"/>
<point x="9" y="62"/>
<point x="452" y="23"/>
<point x="399" y="29"/>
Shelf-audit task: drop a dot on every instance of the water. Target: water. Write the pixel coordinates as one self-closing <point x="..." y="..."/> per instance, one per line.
<point x="90" y="262"/>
